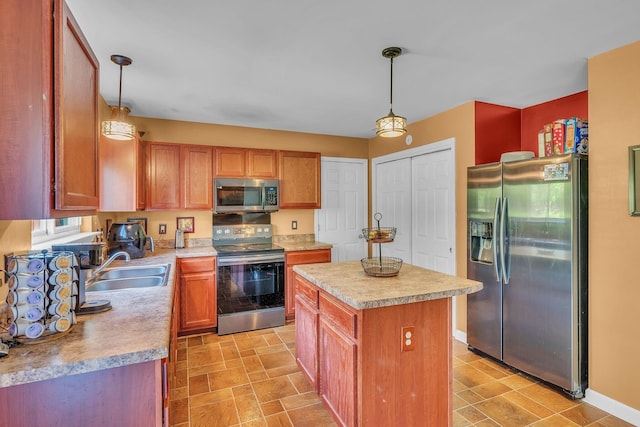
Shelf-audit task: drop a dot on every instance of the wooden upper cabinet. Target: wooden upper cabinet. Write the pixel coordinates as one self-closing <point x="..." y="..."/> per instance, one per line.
<point x="231" y="162"/>
<point x="49" y="132"/>
<point x="299" y="180"/>
<point x="163" y="176"/>
<point x="121" y="175"/>
<point x="197" y="177"/>
<point x="262" y="164"/>
<point x="179" y="176"/>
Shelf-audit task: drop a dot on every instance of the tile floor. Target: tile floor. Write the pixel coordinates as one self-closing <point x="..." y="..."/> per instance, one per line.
<point x="251" y="379"/>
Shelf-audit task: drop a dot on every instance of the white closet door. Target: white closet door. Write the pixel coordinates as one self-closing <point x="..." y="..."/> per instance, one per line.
<point x="344" y="207"/>
<point x="433" y="214"/>
<point x="393" y="201"/>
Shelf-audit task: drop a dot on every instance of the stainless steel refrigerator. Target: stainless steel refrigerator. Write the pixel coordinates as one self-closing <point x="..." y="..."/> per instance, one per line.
<point x="527" y="243"/>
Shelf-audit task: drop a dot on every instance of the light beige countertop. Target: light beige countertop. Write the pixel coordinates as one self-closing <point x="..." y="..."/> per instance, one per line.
<point x="303" y="245"/>
<point x="135" y="330"/>
<point x="348" y="282"/>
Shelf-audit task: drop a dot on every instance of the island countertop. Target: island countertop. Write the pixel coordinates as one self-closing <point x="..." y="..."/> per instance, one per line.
<point x="348" y="282"/>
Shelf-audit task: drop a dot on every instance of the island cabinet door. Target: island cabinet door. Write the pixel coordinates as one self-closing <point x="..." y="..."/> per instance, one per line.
<point x="337" y="384"/>
<point x="307" y="329"/>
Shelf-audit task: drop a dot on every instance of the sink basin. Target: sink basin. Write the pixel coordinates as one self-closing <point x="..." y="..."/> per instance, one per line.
<point x="127" y="272"/>
<point x="125" y="283"/>
<point x="142" y="276"/>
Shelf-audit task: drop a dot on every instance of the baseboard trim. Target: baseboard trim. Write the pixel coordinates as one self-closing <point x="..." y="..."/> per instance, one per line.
<point x="615" y="408"/>
<point x="460" y="336"/>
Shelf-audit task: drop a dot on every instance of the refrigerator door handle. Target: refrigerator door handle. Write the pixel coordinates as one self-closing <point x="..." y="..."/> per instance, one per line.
<point x="505" y="259"/>
<point x="496" y="240"/>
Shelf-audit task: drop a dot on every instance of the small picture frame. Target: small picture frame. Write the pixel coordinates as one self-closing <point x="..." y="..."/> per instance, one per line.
<point x="186" y="223"/>
<point x="141" y="221"/>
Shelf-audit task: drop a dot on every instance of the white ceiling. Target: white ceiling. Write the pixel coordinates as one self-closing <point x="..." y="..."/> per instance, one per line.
<point x="316" y="66"/>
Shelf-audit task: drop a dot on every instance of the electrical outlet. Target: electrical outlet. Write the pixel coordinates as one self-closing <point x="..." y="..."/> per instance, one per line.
<point x="294" y="225"/>
<point x="408" y="338"/>
<point x="162" y="229"/>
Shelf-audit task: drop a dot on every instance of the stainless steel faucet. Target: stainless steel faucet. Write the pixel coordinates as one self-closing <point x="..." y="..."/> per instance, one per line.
<point x="88" y="275"/>
<point x="112" y="258"/>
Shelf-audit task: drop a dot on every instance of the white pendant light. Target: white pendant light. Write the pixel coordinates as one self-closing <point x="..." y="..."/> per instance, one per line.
<point x="391" y="125"/>
<point x="117" y="127"/>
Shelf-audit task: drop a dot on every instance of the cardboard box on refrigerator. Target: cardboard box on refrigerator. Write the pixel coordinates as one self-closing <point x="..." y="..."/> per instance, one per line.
<point x="577" y="136"/>
<point x="558" y="133"/>
<point x="548" y="140"/>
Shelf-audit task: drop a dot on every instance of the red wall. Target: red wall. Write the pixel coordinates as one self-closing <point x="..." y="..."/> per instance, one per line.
<point x="497" y="131"/>
<point x="536" y="116"/>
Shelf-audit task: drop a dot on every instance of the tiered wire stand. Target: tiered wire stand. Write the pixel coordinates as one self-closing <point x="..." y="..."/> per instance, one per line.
<point x="380" y="266"/>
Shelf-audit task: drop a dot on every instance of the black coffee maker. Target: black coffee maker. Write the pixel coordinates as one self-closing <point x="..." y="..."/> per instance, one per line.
<point x="128" y="237"/>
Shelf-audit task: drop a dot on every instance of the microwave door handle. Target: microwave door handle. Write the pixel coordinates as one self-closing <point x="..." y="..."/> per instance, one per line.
<point x="496" y="239"/>
<point x="264" y="196"/>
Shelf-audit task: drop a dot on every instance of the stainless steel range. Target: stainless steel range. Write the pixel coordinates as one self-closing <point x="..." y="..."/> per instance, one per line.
<point x="250" y="273"/>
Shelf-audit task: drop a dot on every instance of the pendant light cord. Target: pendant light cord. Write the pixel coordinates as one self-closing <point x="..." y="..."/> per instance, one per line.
<point x="391" y="88"/>
<point x="120" y="96"/>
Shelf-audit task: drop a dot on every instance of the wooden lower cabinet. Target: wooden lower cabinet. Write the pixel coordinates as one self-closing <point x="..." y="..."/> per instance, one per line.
<point x="337" y="356"/>
<point x="307" y="334"/>
<point x="297" y="258"/>
<point x="130" y="395"/>
<point x="356" y="363"/>
<point x="197" y="294"/>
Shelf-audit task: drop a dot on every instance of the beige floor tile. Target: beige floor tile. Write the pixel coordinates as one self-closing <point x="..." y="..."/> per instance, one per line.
<point x="472" y="414"/>
<point x="505" y="412"/>
<point x="210" y="397"/>
<point x="248" y="407"/>
<point x="219" y="414"/>
<point x="198" y="384"/>
<point x="584" y="414"/>
<point x="528" y="404"/>
<point x="311" y="416"/>
<point x="278" y="420"/>
<point x="555" y="421"/>
<point x="491" y="389"/>
<point x="517" y="381"/>
<point x="300" y="382"/>
<point x="251" y="342"/>
<point x="204" y="355"/>
<point x="299" y="400"/>
<point x="194" y="341"/>
<point x="276" y="359"/>
<point x="470" y="376"/>
<point x="552" y="399"/>
<point x="272" y="407"/>
<point x="230" y="378"/>
<point x="272" y="389"/>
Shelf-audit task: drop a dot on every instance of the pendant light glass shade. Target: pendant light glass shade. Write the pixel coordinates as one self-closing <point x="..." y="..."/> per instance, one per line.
<point x="391" y="125"/>
<point x="117" y="128"/>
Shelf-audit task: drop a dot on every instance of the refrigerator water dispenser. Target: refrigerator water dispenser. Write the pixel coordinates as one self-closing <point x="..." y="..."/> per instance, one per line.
<point x="481" y="241"/>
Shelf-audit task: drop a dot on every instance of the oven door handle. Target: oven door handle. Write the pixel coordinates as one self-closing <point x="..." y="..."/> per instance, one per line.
<point x="250" y="259"/>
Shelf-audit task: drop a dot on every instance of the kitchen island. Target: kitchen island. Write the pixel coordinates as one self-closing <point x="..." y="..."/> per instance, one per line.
<point x="377" y="350"/>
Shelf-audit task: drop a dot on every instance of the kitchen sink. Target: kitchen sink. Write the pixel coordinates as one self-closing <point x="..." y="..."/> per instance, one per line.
<point x="129" y="278"/>
<point x="128" y="283"/>
<point x="128" y="272"/>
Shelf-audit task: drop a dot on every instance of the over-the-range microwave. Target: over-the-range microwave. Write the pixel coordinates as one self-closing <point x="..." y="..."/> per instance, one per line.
<point x="245" y="195"/>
